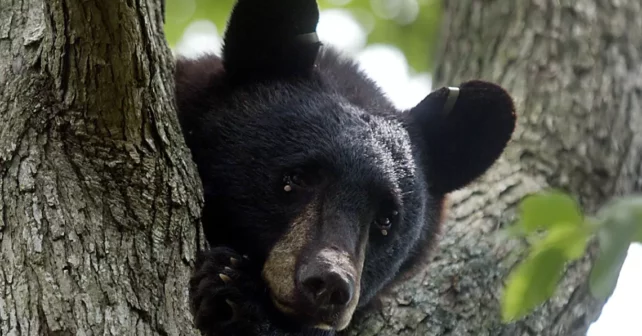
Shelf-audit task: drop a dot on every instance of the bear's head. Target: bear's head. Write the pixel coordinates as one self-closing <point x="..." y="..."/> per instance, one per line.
<point x="311" y="171"/>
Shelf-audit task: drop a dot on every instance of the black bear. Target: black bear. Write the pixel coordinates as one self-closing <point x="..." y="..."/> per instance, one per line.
<point x="319" y="193"/>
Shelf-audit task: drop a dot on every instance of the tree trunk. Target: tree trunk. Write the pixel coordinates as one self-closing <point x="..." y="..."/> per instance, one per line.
<point x="575" y="70"/>
<point x="99" y="196"/>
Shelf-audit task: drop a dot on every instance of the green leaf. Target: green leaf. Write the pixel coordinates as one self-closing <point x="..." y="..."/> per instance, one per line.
<point x="614" y="245"/>
<point x="568" y="240"/>
<point x="535" y="279"/>
<point x="547" y="210"/>
<point x="624" y="211"/>
<point x="532" y="283"/>
<point x="621" y="226"/>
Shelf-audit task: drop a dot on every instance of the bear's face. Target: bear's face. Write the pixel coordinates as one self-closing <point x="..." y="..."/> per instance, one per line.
<point x="330" y="194"/>
<point x="309" y="170"/>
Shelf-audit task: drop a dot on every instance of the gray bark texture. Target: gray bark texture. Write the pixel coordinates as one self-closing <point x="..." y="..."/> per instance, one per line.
<point x="575" y="70"/>
<point x="99" y="195"/>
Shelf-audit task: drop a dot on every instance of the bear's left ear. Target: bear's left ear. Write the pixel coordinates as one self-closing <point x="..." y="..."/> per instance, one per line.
<point x="460" y="132"/>
<point x="271" y="38"/>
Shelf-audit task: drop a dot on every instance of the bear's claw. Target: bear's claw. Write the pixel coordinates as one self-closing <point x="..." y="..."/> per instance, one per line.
<point x="235" y="310"/>
<point x="224" y="294"/>
<point x="226" y="279"/>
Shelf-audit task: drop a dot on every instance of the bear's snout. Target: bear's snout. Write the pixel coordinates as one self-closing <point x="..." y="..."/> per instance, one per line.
<point x="327" y="283"/>
<point x="326" y="286"/>
<point x="314" y="271"/>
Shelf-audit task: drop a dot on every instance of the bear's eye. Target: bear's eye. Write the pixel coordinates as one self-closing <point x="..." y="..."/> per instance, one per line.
<point x="296" y="179"/>
<point x="384" y="223"/>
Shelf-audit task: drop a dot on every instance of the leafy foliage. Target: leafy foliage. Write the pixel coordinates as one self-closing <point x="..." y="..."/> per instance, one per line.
<point x="411" y="25"/>
<point x="622" y="225"/>
<point x="564" y="239"/>
<point x="531" y="283"/>
<point x="558" y="233"/>
<point x="548" y="211"/>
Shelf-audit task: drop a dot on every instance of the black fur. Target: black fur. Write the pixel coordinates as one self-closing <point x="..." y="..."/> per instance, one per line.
<point x="275" y="104"/>
<point x="263" y="39"/>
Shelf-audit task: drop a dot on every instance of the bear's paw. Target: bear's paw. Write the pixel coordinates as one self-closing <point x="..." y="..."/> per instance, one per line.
<point x="224" y="297"/>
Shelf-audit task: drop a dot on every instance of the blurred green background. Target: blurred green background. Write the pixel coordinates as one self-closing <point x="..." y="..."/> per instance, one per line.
<point x="410" y="25"/>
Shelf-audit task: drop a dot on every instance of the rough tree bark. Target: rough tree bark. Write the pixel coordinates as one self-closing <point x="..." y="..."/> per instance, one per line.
<point x="99" y="194"/>
<point x="100" y="198"/>
<point x="575" y="70"/>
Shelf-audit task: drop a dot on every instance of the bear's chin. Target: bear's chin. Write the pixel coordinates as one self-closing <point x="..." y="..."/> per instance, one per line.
<point x="338" y="323"/>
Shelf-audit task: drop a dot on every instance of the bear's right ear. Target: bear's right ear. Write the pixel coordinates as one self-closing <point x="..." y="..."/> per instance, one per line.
<point x="271" y="38"/>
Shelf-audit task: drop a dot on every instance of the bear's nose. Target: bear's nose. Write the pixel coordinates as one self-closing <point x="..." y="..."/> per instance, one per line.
<point x="326" y="288"/>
